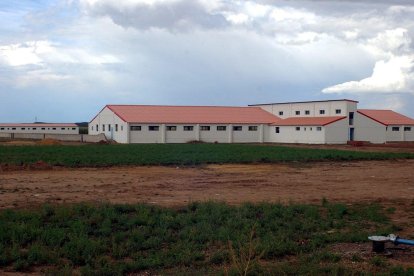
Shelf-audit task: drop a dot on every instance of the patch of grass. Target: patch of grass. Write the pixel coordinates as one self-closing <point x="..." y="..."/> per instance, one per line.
<point x="121" y="239"/>
<point x="178" y="154"/>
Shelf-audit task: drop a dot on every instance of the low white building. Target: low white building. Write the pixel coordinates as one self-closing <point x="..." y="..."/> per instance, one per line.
<point x="314" y="122"/>
<point x="39" y="128"/>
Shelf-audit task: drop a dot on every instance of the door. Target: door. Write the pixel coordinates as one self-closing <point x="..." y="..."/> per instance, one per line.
<point x="351" y="134"/>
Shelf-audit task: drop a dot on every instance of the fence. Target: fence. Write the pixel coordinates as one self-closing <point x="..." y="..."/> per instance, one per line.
<point x="60" y="137"/>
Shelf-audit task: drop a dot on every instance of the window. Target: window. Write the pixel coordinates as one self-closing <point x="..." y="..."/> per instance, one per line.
<point x="322" y="111"/>
<point x="116" y="127"/>
<point x="122" y="128"/>
<point x="338" y="111"/>
<point x="153" y="128"/>
<point x="307" y="112"/>
<point x="188" y="128"/>
<point x="13" y="128"/>
<point x="54" y="128"/>
<point x="43" y="128"/>
<point x="304" y="128"/>
<point x="221" y="128"/>
<point x="135" y="128"/>
<point x="2" y="128"/>
<point x="91" y="127"/>
<point x="252" y="128"/>
<point x="23" y="128"/>
<point x="277" y="130"/>
<point x="171" y="128"/>
<point x="73" y="128"/>
<point x="103" y="127"/>
<point x="62" y="128"/>
<point x="237" y="128"/>
<point x="407" y="128"/>
<point x="97" y="127"/>
<point x="318" y="128"/>
<point x="310" y="129"/>
<point x="205" y="128"/>
<point x="109" y="127"/>
<point x="297" y="112"/>
<point x="395" y="129"/>
<point x="351" y="118"/>
<point x="280" y="113"/>
<point x="297" y="128"/>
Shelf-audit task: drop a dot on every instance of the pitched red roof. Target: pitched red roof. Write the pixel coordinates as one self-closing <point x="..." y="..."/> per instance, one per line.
<point x="37" y="125"/>
<point x="193" y="114"/>
<point x="308" y="121"/>
<point x="386" y="117"/>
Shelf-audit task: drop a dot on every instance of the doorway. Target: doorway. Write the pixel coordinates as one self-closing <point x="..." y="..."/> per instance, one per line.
<point x="351" y="134"/>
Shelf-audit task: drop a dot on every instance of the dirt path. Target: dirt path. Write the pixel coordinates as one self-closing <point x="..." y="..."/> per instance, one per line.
<point x="170" y="186"/>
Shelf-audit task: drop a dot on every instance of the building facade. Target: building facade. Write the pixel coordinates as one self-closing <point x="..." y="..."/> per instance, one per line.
<point x="39" y="128"/>
<point x="314" y="122"/>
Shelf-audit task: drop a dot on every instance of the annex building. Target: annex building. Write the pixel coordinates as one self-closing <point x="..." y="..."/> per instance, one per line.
<point x="312" y="122"/>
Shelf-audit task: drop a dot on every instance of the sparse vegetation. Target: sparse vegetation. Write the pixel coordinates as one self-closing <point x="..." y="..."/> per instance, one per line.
<point x="202" y="238"/>
<point x="178" y="154"/>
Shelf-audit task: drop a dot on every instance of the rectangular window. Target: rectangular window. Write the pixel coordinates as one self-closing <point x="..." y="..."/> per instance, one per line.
<point x="277" y="130"/>
<point x="297" y="112"/>
<point x="73" y="128"/>
<point x="135" y="128"/>
<point x="54" y="128"/>
<point x="395" y="129"/>
<point x="153" y="128"/>
<point x="116" y="127"/>
<point x="13" y="128"/>
<point x="171" y="128"/>
<point x="62" y="128"/>
<point x="322" y="111"/>
<point x="97" y="127"/>
<point x="280" y="113"/>
<point x="43" y="128"/>
<point x="122" y="128"/>
<point x="109" y="127"/>
<point x="237" y="128"/>
<point x="2" y="128"/>
<point x="188" y="128"/>
<point x="205" y="128"/>
<point x="407" y="128"/>
<point x="103" y="127"/>
<point x="307" y="112"/>
<point x="23" y="128"/>
<point x="221" y="128"/>
<point x="338" y="111"/>
<point x="297" y="128"/>
<point x="252" y="128"/>
<point x="318" y="128"/>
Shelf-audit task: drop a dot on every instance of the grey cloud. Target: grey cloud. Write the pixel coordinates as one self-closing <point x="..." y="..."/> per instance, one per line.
<point x="180" y="15"/>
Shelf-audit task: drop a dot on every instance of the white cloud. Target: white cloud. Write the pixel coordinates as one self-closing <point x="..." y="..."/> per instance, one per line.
<point x="394" y="75"/>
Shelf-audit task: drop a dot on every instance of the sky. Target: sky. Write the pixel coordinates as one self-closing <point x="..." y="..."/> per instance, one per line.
<point x="63" y="60"/>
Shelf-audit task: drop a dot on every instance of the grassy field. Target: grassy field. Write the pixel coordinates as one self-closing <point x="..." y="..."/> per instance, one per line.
<point x="202" y="238"/>
<point x="177" y="154"/>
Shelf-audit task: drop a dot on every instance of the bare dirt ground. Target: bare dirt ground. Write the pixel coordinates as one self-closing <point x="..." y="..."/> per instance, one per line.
<point x="173" y="186"/>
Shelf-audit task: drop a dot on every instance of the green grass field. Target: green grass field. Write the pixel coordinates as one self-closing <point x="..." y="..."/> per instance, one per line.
<point x="200" y="239"/>
<point x="178" y="154"/>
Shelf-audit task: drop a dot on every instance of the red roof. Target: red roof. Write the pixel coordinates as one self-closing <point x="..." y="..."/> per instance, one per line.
<point x="37" y="125"/>
<point x="386" y="117"/>
<point x="193" y="114"/>
<point x="308" y="121"/>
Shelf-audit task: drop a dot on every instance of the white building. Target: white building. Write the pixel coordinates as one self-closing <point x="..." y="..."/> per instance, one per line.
<point x="314" y="122"/>
<point x="39" y="128"/>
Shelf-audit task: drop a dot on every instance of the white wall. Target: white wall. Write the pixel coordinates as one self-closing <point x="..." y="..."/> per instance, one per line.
<point x="369" y="130"/>
<point x="181" y="136"/>
<point x="40" y="130"/>
<point x="409" y="135"/>
<point x="337" y="132"/>
<point x="330" y="107"/>
<point x="107" y="117"/>
<point x="289" y="134"/>
<point x="395" y="136"/>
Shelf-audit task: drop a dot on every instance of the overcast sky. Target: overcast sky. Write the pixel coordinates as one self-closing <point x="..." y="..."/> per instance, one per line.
<point x="63" y="60"/>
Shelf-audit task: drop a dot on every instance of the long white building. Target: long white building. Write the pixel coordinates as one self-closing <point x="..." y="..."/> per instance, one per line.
<point x="313" y="122"/>
<point x="39" y="128"/>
